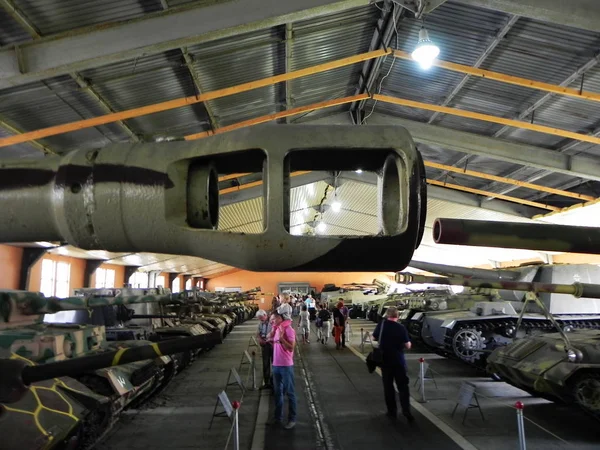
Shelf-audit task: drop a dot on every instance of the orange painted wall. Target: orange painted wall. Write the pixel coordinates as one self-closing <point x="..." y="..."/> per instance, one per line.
<point x="268" y="281"/>
<point x="76" y="276"/>
<point x="10" y="266"/>
<point x="119" y="274"/>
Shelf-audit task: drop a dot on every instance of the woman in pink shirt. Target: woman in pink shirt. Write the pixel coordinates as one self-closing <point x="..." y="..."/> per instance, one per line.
<point x="284" y="342"/>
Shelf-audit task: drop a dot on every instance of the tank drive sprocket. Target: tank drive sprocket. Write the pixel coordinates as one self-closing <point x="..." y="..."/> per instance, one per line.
<point x="467" y="344"/>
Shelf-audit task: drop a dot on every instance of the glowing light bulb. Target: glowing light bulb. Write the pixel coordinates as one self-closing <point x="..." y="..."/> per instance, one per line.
<point x="426" y="51"/>
<point x="321" y="227"/>
<point x="358" y="171"/>
<point x="336" y="206"/>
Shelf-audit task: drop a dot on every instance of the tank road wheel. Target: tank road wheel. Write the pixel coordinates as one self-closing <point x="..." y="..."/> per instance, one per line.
<point x="466" y="343"/>
<point x="586" y="392"/>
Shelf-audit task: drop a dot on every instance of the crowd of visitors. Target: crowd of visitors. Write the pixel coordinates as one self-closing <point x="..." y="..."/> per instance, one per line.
<point x="277" y="338"/>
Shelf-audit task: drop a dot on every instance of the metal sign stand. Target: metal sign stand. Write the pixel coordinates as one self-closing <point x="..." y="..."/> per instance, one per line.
<point x="425" y="374"/>
<point x="237" y="381"/>
<point x="249" y="361"/>
<point x="466" y="396"/>
<point x="252" y="343"/>
<point x="226" y="405"/>
<point x="365" y="338"/>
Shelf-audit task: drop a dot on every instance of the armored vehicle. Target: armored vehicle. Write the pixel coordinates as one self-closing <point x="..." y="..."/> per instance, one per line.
<point x="472" y="333"/>
<point x="122" y="323"/>
<point x="550" y="366"/>
<point x="69" y="401"/>
<point x="353" y="294"/>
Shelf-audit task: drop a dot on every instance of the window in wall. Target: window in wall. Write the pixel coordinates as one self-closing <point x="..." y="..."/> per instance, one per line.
<point x="160" y="281"/>
<point x="55" y="278"/>
<point x="105" y="278"/>
<point x="139" y="280"/>
<point x="188" y="285"/>
<point x="176" y="285"/>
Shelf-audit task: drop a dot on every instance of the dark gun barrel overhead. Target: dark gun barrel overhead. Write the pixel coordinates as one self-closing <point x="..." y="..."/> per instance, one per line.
<point x="526" y="236"/>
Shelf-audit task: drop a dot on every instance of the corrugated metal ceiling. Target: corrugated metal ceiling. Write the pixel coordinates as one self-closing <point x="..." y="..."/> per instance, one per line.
<point x="530" y="49"/>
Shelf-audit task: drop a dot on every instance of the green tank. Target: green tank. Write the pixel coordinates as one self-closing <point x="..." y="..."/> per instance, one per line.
<point x="550" y="366"/>
<point x="123" y="323"/>
<point x="74" y="396"/>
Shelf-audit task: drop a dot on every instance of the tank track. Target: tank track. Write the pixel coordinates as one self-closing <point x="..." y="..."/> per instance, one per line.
<point x="498" y="327"/>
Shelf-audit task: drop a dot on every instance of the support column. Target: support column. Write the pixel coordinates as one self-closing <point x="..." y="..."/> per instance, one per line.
<point x="90" y="267"/>
<point x="30" y="257"/>
<point x="172" y="277"/>
<point x="129" y="271"/>
<point x="185" y="280"/>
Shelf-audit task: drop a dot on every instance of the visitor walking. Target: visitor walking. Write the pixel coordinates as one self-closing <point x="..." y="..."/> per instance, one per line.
<point x="393" y="340"/>
<point x="284" y="343"/>
<point x="304" y="324"/>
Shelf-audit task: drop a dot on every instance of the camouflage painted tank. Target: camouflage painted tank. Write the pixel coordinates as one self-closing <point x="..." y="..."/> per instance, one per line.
<point x="50" y="406"/>
<point x="554" y="368"/>
<point x="122" y="322"/>
<point x="470" y="334"/>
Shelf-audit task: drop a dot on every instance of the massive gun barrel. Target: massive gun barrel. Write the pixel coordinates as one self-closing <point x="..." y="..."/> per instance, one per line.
<point x="16" y="375"/>
<point x="543" y="237"/>
<point x="164" y="197"/>
<point x="35" y="303"/>
<point x="576" y="289"/>
<point x="449" y="271"/>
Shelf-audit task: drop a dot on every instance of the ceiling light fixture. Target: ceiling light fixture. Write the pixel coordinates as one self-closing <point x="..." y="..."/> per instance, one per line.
<point x="321" y="227"/>
<point x="358" y="171"/>
<point x="336" y="206"/>
<point x="426" y="51"/>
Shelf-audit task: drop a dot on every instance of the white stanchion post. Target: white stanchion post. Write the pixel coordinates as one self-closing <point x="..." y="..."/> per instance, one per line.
<point x="236" y="425"/>
<point x="253" y="370"/>
<point x="362" y="340"/>
<point x="521" y="425"/>
<point x="422" y="379"/>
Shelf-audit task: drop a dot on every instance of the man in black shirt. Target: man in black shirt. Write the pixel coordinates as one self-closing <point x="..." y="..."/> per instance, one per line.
<point x="339" y="325"/>
<point x="393" y="340"/>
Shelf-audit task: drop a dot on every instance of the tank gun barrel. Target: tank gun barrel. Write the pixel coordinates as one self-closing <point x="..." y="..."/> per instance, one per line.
<point x="36" y="303"/>
<point x="16" y="375"/>
<point x="543" y="237"/>
<point x="450" y="271"/>
<point x="576" y="289"/>
<point x="167" y="196"/>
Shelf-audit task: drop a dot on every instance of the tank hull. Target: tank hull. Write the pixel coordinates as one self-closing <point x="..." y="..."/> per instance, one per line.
<point x="541" y="366"/>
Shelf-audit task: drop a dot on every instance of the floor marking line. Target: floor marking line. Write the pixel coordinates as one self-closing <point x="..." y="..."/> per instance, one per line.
<point x="442" y="426"/>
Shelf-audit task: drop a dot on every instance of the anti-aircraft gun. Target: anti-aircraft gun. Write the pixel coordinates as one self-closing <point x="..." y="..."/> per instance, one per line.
<point x="66" y="376"/>
<point x="471" y="334"/>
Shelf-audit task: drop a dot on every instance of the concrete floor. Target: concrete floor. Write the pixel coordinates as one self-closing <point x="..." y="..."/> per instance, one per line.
<point x="340" y="406"/>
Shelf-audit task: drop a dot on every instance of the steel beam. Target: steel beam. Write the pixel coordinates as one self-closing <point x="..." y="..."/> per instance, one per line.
<point x="541" y="174"/>
<point x="178" y="28"/>
<point x="189" y="63"/>
<point x="14" y="130"/>
<point x="474" y="144"/>
<point x="382" y="38"/>
<point x="22" y="20"/>
<point x="489" y="49"/>
<point x="289" y="55"/>
<point x="583" y="14"/>
<point x="87" y="87"/>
